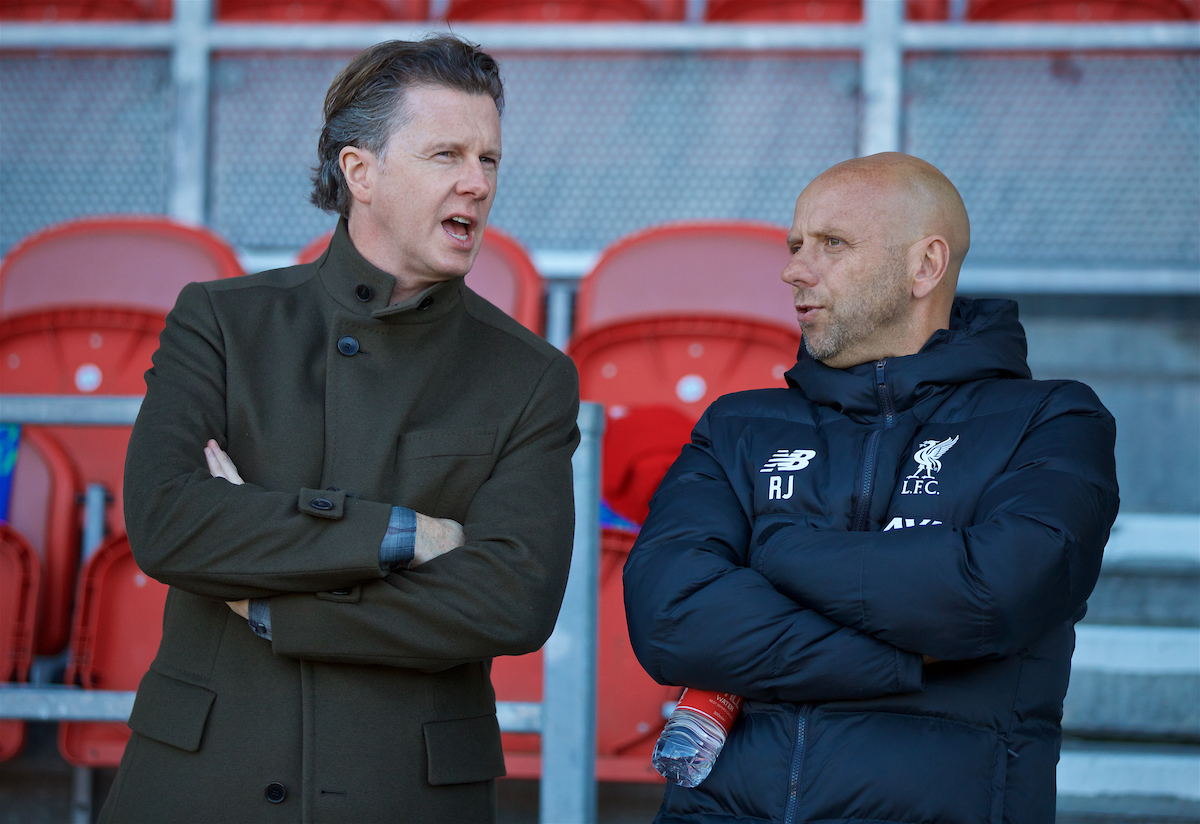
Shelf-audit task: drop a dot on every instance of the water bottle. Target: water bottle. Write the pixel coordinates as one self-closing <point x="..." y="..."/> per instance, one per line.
<point x="689" y="744"/>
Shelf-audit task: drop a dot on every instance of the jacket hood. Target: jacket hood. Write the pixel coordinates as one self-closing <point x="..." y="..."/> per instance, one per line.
<point x="985" y="340"/>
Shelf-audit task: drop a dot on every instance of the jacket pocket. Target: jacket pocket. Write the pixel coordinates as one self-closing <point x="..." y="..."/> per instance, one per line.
<point x="464" y="750"/>
<point x="434" y="443"/>
<point x="887" y="766"/>
<point x="171" y="711"/>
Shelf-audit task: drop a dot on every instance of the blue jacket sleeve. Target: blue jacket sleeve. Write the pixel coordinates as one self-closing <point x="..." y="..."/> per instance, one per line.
<point x="699" y="617"/>
<point x="1026" y="563"/>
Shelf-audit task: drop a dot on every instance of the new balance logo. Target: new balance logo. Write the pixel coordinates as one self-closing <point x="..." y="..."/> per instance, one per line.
<point x="905" y="523"/>
<point x="789" y="460"/>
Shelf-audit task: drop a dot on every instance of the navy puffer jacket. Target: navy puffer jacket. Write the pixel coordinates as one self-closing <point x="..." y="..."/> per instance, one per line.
<point x="811" y="543"/>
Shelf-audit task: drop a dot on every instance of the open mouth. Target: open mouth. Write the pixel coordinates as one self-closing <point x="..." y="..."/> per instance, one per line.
<point x="458" y="228"/>
<point x="805" y="312"/>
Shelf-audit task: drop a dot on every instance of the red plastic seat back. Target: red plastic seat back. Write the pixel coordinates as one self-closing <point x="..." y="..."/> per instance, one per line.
<point x="57" y="11"/>
<point x="565" y="11"/>
<point x="115" y="636"/>
<point x="503" y="274"/>
<point x="19" y="578"/>
<point x="73" y="352"/>
<point x="727" y="268"/>
<point x="314" y="11"/>
<point x="44" y="508"/>
<point x="139" y="262"/>
<point x="639" y="447"/>
<point x="811" y="11"/>
<point x="1082" y="11"/>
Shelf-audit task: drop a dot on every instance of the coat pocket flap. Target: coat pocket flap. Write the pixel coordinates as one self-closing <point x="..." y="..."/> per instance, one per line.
<point x="171" y="711"/>
<point x="431" y="443"/>
<point x="464" y="750"/>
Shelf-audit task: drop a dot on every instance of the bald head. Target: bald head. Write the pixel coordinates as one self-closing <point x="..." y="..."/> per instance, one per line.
<point x="877" y="243"/>
<point x="919" y="199"/>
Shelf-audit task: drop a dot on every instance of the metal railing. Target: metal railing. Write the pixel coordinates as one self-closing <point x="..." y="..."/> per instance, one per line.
<point x="566" y="717"/>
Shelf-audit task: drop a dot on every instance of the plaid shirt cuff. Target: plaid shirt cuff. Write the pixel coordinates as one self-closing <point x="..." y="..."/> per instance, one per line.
<point x="400" y="540"/>
<point x="260" y="618"/>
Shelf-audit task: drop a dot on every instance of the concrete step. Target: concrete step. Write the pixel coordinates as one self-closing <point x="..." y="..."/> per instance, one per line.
<point x="1151" y="573"/>
<point x="1148" y="784"/>
<point x="1135" y="683"/>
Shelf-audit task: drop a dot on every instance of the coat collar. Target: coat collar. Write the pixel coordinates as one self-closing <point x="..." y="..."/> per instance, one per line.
<point x="345" y="272"/>
<point x="985" y="340"/>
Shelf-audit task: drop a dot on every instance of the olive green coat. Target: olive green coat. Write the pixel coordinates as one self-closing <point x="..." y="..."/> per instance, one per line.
<point x="373" y="700"/>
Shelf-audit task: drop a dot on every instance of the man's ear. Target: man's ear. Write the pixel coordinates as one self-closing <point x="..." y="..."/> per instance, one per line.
<point x="358" y="166"/>
<point x="931" y="257"/>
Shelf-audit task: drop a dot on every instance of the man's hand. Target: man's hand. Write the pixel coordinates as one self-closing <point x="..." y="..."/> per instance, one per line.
<point x="241" y="607"/>
<point x="220" y="465"/>
<point x="435" y="536"/>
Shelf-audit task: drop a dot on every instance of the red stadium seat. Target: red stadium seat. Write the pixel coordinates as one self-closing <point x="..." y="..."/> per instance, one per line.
<point x="71" y="352"/>
<point x="502" y="274"/>
<point x="314" y="11"/>
<point x="565" y="11"/>
<point x="811" y="11"/>
<point x="115" y="636"/>
<point x="44" y="508"/>
<point x="19" y="575"/>
<point x="628" y="701"/>
<point x="1082" y="11"/>
<point x="134" y="262"/>
<point x="640" y="444"/>
<point x="54" y="11"/>
<point x="729" y="268"/>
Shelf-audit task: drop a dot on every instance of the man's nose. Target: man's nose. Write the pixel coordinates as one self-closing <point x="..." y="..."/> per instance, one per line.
<point x="474" y="180"/>
<point x="798" y="272"/>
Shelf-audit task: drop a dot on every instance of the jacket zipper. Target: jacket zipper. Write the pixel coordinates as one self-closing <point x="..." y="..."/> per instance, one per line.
<point x="793" y="799"/>
<point x="862" y="507"/>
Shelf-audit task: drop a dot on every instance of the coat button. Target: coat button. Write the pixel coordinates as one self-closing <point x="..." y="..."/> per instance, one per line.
<point x="321" y="503"/>
<point x="276" y="792"/>
<point x="425" y="304"/>
<point x="347" y="345"/>
<point x="363" y="292"/>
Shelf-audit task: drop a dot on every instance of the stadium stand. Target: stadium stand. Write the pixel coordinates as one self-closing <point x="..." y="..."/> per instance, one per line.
<point x="133" y="262"/>
<point x="314" y="11"/>
<point x="72" y="352"/>
<point x="564" y="11"/>
<point x="811" y="11"/>
<point x="1082" y="11"/>
<point x="503" y="274"/>
<point x="56" y="11"/>
<point x="19" y="579"/>
<point x="114" y="637"/>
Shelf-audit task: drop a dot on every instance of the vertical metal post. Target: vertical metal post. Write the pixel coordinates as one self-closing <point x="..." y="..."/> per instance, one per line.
<point x="558" y="312"/>
<point x="695" y="11"/>
<point x="190" y="76"/>
<point x="882" y="65"/>
<point x="568" y="787"/>
<point x="95" y="503"/>
<point x="81" y="796"/>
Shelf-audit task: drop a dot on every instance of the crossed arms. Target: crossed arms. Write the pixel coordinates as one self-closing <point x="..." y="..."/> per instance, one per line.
<point x="817" y="614"/>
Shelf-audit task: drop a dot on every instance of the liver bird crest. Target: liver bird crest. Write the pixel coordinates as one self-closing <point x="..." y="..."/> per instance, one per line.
<point x="929" y="455"/>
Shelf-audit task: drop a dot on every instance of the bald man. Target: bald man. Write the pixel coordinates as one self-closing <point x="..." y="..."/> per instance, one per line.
<point x="885" y="559"/>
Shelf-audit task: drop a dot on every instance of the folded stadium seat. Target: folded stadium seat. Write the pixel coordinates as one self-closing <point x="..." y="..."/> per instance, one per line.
<point x="114" y="637"/>
<point x="811" y="11"/>
<point x="565" y="11"/>
<point x="44" y="508"/>
<point x="503" y="274"/>
<point x="1081" y="11"/>
<point x="19" y="574"/>
<point x="134" y="262"/>
<point x="80" y="351"/>
<point x="315" y="11"/>
<point x="730" y="268"/>
<point x="640" y="444"/>
<point x="55" y="11"/>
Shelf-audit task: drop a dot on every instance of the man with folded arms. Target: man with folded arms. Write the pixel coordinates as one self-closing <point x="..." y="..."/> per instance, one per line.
<point x="887" y="558"/>
<point x="406" y="510"/>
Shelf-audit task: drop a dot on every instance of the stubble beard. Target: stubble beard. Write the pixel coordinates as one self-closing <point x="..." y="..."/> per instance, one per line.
<point x="860" y="316"/>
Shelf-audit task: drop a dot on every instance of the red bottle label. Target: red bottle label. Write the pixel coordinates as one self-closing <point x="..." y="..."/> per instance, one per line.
<point x="721" y="707"/>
